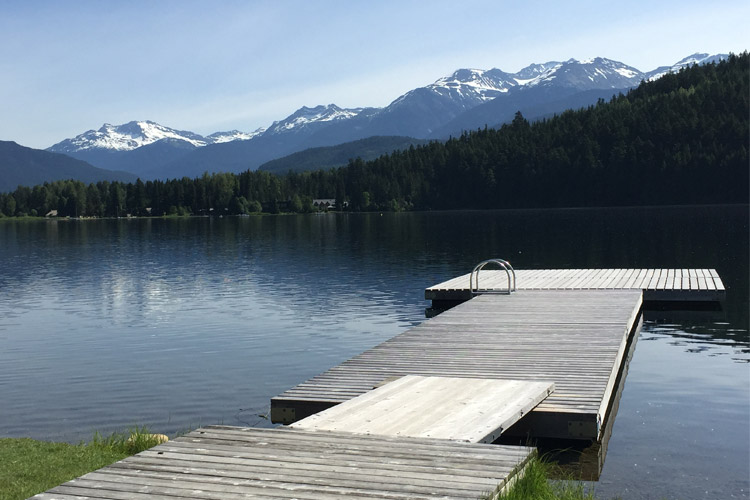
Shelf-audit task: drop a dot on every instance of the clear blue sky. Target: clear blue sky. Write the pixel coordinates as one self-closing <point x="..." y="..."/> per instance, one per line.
<point x="67" y="67"/>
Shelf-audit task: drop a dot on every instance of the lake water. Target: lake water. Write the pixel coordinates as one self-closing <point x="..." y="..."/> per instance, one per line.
<point x="177" y="323"/>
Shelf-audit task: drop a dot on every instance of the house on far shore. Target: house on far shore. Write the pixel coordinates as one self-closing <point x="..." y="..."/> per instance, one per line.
<point x="324" y="203"/>
<point x="51" y="213"/>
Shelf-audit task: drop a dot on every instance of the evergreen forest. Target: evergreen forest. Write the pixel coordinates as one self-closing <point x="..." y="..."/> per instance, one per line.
<point x="681" y="139"/>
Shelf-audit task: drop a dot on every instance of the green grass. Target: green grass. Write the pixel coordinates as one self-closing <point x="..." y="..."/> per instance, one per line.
<point x="535" y="485"/>
<point x="28" y="467"/>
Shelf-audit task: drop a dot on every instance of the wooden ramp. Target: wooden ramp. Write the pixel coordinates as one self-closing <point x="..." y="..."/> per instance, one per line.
<point x="574" y="338"/>
<point x="229" y="463"/>
<point x="462" y="409"/>
<point x="691" y="285"/>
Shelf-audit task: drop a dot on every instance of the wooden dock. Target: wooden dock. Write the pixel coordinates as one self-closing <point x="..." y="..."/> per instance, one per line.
<point x="573" y="338"/>
<point x="227" y="463"/>
<point x="667" y="285"/>
<point x="409" y="417"/>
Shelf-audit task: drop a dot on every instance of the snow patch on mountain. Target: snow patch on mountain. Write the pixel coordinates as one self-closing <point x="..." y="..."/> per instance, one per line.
<point x="233" y="135"/>
<point x="627" y="72"/>
<point x="596" y="73"/>
<point x="465" y="88"/>
<point x="135" y="134"/>
<point x="474" y="84"/>
<point x="697" y="58"/>
<point x="534" y="74"/>
<point x="125" y="137"/>
<point x="532" y="71"/>
<point x="306" y="116"/>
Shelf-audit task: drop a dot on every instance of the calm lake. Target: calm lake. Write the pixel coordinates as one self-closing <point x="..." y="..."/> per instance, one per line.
<point x="178" y="323"/>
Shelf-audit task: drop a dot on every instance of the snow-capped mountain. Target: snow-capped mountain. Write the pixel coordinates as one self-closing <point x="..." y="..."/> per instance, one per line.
<point x="305" y="117"/>
<point x="553" y="87"/>
<point x="471" y="86"/>
<point x="585" y="75"/>
<point x="475" y="86"/>
<point x="426" y="112"/>
<point x="696" y="58"/>
<point x="232" y="135"/>
<point x="143" y="148"/>
<point x="419" y="112"/>
<point x="126" y="137"/>
<point x="136" y="134"/>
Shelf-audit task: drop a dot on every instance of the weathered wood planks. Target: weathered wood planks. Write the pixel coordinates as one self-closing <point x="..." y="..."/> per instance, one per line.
<point x="574" y="338"/>
<point x="464" y="409"/>
<point x="657" y="284"/>
<point x="220" y="462"/>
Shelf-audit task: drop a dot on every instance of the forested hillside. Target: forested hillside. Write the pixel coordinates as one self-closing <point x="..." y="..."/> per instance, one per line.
<point x="682" y="139"/>
<point x="337" y="156"/>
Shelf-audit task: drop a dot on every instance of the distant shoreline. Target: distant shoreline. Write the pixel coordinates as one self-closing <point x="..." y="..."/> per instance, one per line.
<point x="267" y="214"/>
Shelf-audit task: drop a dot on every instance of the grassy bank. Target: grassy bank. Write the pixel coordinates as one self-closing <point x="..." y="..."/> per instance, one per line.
<point x="535" y="485"/>
<point x="28" y="467"/>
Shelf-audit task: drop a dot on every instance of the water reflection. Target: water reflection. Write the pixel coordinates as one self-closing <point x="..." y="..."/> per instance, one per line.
<point x="701" y="332"/>
<point x="682" y="428"/>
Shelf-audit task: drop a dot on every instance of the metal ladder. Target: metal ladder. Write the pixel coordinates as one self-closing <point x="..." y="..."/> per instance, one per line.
<point x="505" y="265"/>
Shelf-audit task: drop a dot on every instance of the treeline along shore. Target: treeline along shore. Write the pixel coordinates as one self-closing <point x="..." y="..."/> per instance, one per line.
<point x="681" y="139"/>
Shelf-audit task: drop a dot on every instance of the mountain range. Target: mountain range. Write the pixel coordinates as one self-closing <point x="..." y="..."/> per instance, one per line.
<point x="465" y="100"/>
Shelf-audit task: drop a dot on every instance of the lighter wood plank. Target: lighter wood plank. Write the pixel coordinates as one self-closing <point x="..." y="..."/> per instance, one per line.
<point x="464" y="409"/>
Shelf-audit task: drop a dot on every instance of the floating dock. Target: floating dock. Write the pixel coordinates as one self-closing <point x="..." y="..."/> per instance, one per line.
<point x="227" y="463"/>
<point x="573" y="338"/>
<point x="658" y="285"/>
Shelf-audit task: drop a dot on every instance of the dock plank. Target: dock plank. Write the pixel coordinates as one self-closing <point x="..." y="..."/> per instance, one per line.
<point x="220" y="462"/>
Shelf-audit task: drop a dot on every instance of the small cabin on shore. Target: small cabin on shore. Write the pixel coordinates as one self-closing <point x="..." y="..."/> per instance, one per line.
<point x="324" y="203"/>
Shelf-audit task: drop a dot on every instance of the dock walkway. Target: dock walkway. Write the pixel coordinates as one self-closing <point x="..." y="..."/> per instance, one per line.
<point x="575" y="339"/>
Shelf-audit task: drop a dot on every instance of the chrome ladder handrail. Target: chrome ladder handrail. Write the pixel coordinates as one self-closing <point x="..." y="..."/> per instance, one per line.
<point x="505" y="265"/>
